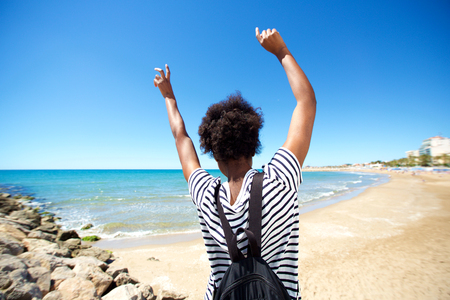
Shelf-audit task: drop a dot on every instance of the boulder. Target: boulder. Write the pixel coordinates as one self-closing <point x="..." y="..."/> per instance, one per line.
<point x="124" y="292"/>
<point x="31" y="262"/>
<point x="42" y="277"/>
<point x="146" y="290"/>
<point x="9" y="263"/>
<point x="24" y="291"/>
<point x="69" y="234"/>
<point x="18" y="275"/>
<point x="170" y="295"/>
<point x="37" y="244"/>
<point x="10" y="245"/>
<point x="49" y="228"/>
<point x="5" y="281"/>
<point x="37" y="234"/>
<point x="47" y="219"/>
<point x="13" y="231"/>
<point x="113" y="271"/>
<point x="72" y="244"/>
<point x="87" y="226"/>
<point x="96" y="252"/>
<point x="60" y="274"/>
<point x="8" y="205"/>
<point x="32" y="216"/>
<point x="86" y="260"/>
<point x="47" y="261"/>
<point x="125" y="278"/>
<point x="44" y="246"/>
<point x="79" y="289"/>
<point x="54" y="295"/>
<point x="18" y="224"/>
<point x="100" y="279"/>
<point x="5" y="195"/>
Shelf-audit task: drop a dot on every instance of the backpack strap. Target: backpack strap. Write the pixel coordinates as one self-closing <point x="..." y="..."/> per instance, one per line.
<point x="254" y="231"/>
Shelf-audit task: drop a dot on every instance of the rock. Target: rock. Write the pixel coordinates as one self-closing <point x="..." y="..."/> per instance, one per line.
<point x="49" y="228"/>
<point x="146" y="290"/>
<point x="10" y="245"/>
<point x="87" y="226"/>
<point x="18" y="275"/>
<point x="44" y="246"/>
<point x="86" y="260"/>
<point x="170" y="295"/>
<point x="31" y="263"/>
<point x="72" y="244"/>
<point x="100" y="279"/>
<point x="65" y="235"/>
<point x="47" y="219"/>
<point x="18" y="224"/>
<point x="54" y="295"/>
<point x="96" y="252"/>
<point x="37" y="234"/>
<point x="36" y="244"/>
<point x="33" y="217"/>
<point x="113" y="271"/>
<point x="13" y="231"/>
<point x="78" y="288"/>
<point x="6" y="195"/>
<point x="47" y="261"/>
<point x="124" y="292"/>
<point x="23" y="291"/>
<point x="125" y="278"/>
<point x="10" y="263"/>
<point x="5" y="281"/>
<point x="60" y="274"/>
<point x="42" y="277"/>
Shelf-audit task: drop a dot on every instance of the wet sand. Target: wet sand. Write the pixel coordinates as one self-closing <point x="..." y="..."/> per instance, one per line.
<point x="391" y="241"/>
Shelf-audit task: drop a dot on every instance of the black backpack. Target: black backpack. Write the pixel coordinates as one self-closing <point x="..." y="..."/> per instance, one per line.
<point x="248" y="277"/>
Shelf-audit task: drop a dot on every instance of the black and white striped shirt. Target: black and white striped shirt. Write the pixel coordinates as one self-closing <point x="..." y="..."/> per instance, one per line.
<point x="279" y="232"/>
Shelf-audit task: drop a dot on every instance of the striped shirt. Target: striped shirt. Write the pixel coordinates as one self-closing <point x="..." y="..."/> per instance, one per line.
<point x="279" y="231"/>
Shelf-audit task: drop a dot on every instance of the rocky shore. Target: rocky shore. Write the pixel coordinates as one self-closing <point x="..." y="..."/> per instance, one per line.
<point x="38" y="260"/>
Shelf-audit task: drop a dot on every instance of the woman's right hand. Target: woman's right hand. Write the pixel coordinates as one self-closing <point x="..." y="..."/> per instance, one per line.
<point x="162" y="81"/>
<point x="271" y="40"/>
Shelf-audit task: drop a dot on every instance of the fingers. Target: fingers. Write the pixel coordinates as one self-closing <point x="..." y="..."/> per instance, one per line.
<point x="160" y="78"/>
<point x="265" y="34"/>
<point x="161" y="72"/>
<point x="167" y="72"/>
<point x="258" y="35"/>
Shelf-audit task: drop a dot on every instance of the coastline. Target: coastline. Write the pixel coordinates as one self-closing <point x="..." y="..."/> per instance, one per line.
<point x="390" y="240"/>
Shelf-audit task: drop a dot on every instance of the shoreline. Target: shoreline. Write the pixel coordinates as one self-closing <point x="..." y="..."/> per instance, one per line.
<point x="391" y="240"/>
<point x="172" y="238"/>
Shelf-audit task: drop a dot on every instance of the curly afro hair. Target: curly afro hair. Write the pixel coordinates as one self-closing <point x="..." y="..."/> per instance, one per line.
<point x="230" y="129"/>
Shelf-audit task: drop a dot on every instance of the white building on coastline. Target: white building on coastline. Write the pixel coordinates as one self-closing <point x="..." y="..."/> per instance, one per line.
<point x="433" y="146"/>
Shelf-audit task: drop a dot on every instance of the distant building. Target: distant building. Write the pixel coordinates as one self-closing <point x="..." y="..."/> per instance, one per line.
<point x="433" y="146"/>
<point x="412" y="153"/>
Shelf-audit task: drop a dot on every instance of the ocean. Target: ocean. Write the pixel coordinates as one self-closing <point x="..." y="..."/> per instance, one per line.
<point x="137" y="203"/>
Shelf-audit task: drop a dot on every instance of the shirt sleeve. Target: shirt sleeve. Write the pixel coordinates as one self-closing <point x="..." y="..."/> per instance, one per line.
<point x="285" y="168"/>
<point x="199" y="182"/>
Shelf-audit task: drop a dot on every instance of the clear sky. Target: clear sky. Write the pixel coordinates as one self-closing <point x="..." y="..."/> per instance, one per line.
<point x="76" y="87"/>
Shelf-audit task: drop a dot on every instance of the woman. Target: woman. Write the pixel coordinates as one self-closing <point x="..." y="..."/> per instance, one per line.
<point x="230" y="133"/>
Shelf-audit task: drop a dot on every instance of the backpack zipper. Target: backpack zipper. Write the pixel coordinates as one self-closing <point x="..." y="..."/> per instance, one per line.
<point x="246" y="279"/>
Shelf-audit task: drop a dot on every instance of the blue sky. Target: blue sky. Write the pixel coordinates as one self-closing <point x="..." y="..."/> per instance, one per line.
<point x="76" y="87"/>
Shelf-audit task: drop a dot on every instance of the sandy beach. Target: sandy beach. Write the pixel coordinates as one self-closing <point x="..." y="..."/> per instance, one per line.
<point x="390" y="242"/>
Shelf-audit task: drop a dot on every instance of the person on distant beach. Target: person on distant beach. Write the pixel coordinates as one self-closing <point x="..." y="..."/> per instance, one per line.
<point x="230" y="133"/>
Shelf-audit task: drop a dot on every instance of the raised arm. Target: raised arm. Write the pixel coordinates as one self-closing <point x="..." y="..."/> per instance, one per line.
<point x="300" y="130"/>
<point x="185" y="147"/>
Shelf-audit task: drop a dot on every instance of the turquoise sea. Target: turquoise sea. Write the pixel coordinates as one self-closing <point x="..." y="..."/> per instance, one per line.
<point x="134" y="203"/>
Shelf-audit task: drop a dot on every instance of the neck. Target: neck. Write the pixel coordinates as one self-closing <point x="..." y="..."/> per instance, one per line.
<point x="235" y="170"/>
